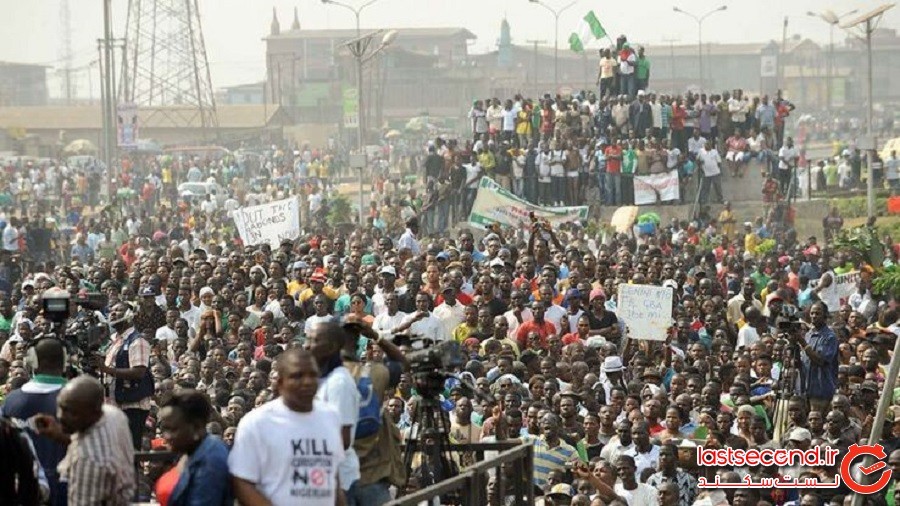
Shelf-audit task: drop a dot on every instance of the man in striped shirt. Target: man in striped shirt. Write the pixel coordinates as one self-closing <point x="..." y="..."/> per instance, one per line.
<point x="99" y="461"/>
<point x="550" y="452"/>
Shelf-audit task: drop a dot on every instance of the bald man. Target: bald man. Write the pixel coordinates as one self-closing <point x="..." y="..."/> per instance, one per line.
<point x="99" y="461"/>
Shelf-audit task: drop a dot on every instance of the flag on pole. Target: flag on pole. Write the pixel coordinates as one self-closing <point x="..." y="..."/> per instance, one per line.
<point x="591" y="29"/>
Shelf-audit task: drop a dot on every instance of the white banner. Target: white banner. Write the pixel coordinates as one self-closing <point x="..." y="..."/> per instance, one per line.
<point x="268" y="223"/>
<point x="646" y="311"/>
<point x="127" y="125"/>
<point x="657" y="187"/>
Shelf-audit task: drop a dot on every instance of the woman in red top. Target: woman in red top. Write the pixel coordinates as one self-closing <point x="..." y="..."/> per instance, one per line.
<point x="676" y="123"/>
<point x="547" y="120"/>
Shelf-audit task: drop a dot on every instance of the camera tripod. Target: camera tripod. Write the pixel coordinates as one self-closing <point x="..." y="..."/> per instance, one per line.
<point x="429" y="437"/>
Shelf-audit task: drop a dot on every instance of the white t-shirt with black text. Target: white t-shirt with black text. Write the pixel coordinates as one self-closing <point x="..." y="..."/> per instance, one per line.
<point x="291" y="457"/>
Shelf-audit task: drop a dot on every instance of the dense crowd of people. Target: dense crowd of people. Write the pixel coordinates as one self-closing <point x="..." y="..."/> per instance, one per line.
<point x="280" y="373"/>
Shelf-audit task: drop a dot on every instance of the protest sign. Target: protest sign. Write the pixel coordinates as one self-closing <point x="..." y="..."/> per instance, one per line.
<point x="662" y="187"/>
<point x="646" y="311"/>
<point x="495" y="204"/>
<point x="268" y="223"/>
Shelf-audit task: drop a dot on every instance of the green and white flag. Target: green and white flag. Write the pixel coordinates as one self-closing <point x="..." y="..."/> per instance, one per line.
<point x="591" y="29"/>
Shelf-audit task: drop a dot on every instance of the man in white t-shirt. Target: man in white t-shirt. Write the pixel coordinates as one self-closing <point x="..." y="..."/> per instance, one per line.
<point x="710" y="163"/>
<point x="338" y="389"/>
<point x="288" y="451"/>
<point x="787" y="161"/>
<point x="11" y="236"/>
<point x="629" y="488"/>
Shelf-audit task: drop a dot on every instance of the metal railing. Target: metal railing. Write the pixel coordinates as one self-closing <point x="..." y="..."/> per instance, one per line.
<point x="471" y="484"/>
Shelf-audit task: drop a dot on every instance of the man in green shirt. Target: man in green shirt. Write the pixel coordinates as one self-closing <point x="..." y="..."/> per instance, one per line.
<point x="831" y="173"/>
<point x="642" y="71"/>
<point x="759" y="277"/>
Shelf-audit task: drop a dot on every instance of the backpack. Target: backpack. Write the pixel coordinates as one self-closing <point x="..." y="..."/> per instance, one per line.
<point x="369" y="406"/>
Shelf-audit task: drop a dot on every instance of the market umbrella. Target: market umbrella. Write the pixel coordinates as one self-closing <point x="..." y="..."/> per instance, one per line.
<point x="393" y="134"/>
<point x="81" y="147"/>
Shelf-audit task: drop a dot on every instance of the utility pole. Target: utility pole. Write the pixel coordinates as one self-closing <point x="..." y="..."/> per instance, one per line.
<point x="109" y="101"/>
<point x="359" y="48"/>
<point x="360" y="112"/>
<point x="65" y="21"/>
<point x="782" y="54"/>
<point x="700" y="20"/>
<point x="833" y="20"/>
<point x="534" y="73"/>
<point x="672" y="63"/>
<point x="868" y="23"/>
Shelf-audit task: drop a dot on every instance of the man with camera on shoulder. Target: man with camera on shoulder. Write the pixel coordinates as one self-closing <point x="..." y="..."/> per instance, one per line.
<point x="127" y="370"/>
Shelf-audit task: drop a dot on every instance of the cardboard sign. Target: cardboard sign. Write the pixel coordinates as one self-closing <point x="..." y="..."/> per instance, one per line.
<point x="269" y="223"/>
<point x="646" y="311"/>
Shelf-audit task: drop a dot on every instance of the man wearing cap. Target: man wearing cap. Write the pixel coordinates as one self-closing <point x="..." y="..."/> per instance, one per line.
<point x="388" y="285"/>
<point x="317" y="286"/>
<point x="149" y="317"/>
<point x="612" y="375"/>
<point x="797" y="439"/>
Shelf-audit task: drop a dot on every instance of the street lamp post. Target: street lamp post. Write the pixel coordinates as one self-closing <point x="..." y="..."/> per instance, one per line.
<point x="556" y="13"/>
<point x="360" y="122"/>
<point x="832" y="19"/>
<point x="359" y="48"/>
<point x="699" y="20"/>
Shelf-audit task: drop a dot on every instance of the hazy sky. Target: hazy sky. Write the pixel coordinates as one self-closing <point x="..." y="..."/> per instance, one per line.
<point x="233" y="28"/>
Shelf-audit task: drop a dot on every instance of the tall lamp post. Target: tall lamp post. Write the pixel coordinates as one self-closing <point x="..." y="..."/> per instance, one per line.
<point x="360" y="122"/>
<point x="832" y="19"/>
<point x="556" y="13"/>
<point x="362" y="51"/>
<point x="700" y="20"/>
<point x="866" y="24"/>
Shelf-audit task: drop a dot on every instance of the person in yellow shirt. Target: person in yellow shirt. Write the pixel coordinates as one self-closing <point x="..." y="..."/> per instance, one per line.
<point x="751" y="240"/>
<point x="523" y="125"/>
<point x="468" y="326"/>
<point x="726" y="219"/>
<point x="297" y="284"/>
<point x="487" y="161"/>
<point x="316" y="286"/>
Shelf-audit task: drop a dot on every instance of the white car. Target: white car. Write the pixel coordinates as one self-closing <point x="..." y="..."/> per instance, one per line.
<point x="197" y="192"/>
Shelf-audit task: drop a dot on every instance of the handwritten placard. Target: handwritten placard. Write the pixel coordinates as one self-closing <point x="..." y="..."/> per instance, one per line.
<point x="646" y="311"/>
<point x="268" y="223"/>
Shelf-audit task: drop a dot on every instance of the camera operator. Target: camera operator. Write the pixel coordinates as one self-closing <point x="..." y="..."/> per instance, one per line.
<point x="127" y="364"/>
<point x="819" y="358"/>
<point x="380" y="458"/>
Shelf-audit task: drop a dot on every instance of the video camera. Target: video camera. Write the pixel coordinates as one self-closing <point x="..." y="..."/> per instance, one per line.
<point x="431" y="363"/>
<point x="86" y="333"/>
<point x="789" y="320"/>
